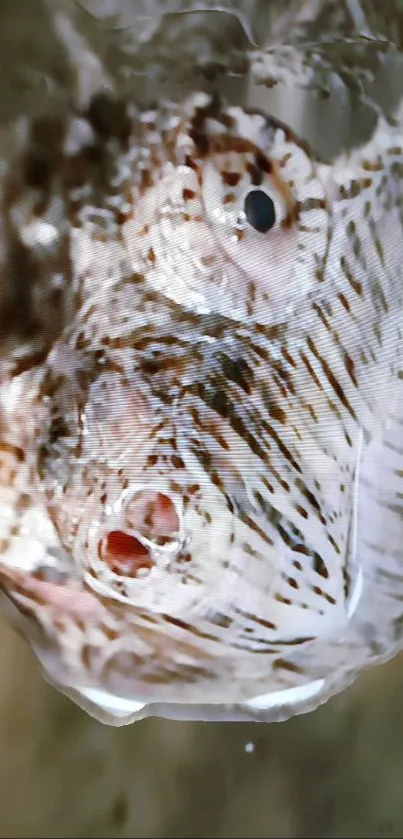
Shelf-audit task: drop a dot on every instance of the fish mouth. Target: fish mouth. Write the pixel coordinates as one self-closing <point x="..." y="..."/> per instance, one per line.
<point x="118" y="706"/>
<point x="122" y="673"/>
<point x="118" y="711"/>
<point x="60" y="619"/>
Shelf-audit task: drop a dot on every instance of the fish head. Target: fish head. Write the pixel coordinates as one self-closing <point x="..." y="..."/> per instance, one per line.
<point x="198" y="480"/>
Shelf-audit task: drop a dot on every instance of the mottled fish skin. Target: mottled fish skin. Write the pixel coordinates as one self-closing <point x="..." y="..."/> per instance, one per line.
<point x="190" y="457"/>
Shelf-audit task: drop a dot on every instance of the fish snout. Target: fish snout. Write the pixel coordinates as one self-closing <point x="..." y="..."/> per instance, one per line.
<point x="148" y="522"/>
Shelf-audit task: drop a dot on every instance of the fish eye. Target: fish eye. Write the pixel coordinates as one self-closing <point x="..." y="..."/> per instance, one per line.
<point x="259" y="210"/>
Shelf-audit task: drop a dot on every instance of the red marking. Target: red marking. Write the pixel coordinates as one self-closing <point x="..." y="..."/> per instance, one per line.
<point x="152" y="514"/>
<point x="125" y="554"/>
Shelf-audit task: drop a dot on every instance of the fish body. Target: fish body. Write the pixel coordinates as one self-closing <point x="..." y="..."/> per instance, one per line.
<point x="200" y="474"/>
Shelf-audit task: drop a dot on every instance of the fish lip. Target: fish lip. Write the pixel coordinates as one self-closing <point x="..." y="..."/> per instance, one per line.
<point x="117" y="711"/>
<point x="118" y="705"/>
<point x="263" y="702"/>
<point x="289" y="695"/>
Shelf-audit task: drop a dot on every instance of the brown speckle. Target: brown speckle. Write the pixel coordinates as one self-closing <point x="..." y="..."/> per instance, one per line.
<point x="230" y="178"/>
<point x="188" y="194"/>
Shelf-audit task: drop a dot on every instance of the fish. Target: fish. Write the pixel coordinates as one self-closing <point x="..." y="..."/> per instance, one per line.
<point x="200" y="427"/>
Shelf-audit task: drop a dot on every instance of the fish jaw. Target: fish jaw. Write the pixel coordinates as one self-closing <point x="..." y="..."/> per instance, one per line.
<point x="68" y="627"/>
<point x="159" y="641"/>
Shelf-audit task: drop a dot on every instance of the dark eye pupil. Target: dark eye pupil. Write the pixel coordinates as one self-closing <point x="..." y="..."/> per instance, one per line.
<point x="259" y="210"/>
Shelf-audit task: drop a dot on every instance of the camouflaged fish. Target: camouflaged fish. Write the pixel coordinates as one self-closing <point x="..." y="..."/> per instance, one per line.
<point x="201" y="451"/>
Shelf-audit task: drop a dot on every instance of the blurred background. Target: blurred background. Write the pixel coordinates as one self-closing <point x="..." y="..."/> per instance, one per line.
<point x="337" y="772"/>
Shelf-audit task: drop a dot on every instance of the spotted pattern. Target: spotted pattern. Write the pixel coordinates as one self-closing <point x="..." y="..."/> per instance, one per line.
<point x="187" y="442"/>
